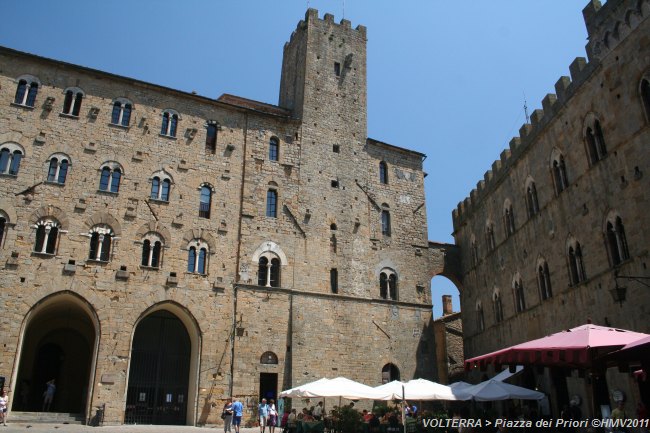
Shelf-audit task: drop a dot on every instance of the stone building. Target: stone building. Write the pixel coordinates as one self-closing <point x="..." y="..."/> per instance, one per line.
<point x="448" y="335"/>
<point x="162" y="251"/>
<point x="565" y="209"/>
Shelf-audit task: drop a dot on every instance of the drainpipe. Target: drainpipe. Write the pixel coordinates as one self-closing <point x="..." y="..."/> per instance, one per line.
<point x="237" y="260"/>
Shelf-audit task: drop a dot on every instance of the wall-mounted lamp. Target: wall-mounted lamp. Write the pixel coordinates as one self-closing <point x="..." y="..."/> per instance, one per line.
<point x="619" y="292"/>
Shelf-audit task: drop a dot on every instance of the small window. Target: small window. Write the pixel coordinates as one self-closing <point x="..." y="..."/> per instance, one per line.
<point x="480" y="318"/>
<point x="335" y="183"/>
<point x="559" y="175"/>
<point x="337" y="69"/>
<point x="205" y="201"/>
<point x="544" y="281"/>
<point x="596" y="148"/>
<point x="508" y="219"/>
<point x="498" y="306"/>
<point x="336" y="148"/>
<point x="26" y="91"/>
<point x="152" y="247"/>
<point x="197" y="257"/>
<point x="101" y="239"/>
<point x="272" y="203"/>
<point x="47" y="233"/>
<point x="388" y="284"/>
<point x="531" y="199"/>
<point x="269" y="358"/>
<point x="383" y="173"/>
<point x="211" y="138"/>
<point x="520" y="301"/>
<point x="577" y="272"/>
<point x="474" y="251"/>
<point x="268" y="274"/>
<point x="274" y="149"/>
<point x="616" y="241"/>
<point x="3" y="228"/>
<point x="385" y="222"/>
<point x="72" y="101"/>
<point x="121" y="114"/>
<point x="169" y="123"/>
<point x="160" y="186"/>
<point x="58" y="169"/>
<point x="334" y="280"/>
<point x="110" y="178"/>
<point x="10" y="156"/>
<point x="489" y="237"/>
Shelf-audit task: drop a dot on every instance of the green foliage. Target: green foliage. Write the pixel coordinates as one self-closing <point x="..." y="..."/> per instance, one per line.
<point x="349" y="420"/>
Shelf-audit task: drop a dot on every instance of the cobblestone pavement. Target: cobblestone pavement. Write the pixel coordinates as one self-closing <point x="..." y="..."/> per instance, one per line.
<point x="72" y="428"/>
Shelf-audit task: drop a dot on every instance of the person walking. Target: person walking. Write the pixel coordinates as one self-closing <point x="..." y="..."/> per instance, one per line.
<point x="4" y="401"/>
<point x="273" y="416"/>
<point x="237" y="413"/>
<point x="226" y="416"/>
<point x="48" y="395"/>
<point x="263" y="412"/>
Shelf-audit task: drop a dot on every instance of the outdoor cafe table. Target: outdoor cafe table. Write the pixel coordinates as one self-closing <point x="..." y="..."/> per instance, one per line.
<point x="310" y="426"/>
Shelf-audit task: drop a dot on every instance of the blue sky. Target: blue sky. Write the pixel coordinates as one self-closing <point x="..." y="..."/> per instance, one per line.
<point x="447" y="79"/>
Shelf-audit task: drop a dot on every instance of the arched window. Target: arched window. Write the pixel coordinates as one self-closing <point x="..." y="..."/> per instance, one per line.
<point x="272" y="203"/>
<point x="596" y="148"/>
<point x="268" y="274"/>
<point x="160" y="186"/>
<point x="518" y="289"/>
<point x="269" y="358"/>
<point x="111" y="175"/>
<point x="480" y="317"/>
<point x="383" y="173"/>
<point x="58" y="168"/>
<point x="645" y="96"/>
<point x="101" y="240"/>
<point x="3" y="227"/>
<point x="531" y="199"/>
<point x="169" y="123"/>
<point x="152" y="247"/>
<point x="389" y="373"/>
<point x="385" y="221"/>
<point x="10" y="156"/>
<point x="72" y="101"/>
<point x="508" y="219"/>
<point x="197" y="257"/>
<point x="121" y="114"/>
<point x="498" y="306"/>
<point x="544" y="280"/>
<point x="616" y="241"/>
<point x="47" y="233"/>
<point x="205" y="200"/>
<point x="26" y="91"/>
<point x="576" y="264"/>
<point x="489" y="236"/>
<point x="388" y="284"/>
<point x="274" y="149"/>
<point x="560" y="180"/>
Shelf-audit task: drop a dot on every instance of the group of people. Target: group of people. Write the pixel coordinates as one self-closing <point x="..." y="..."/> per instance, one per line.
<point x="48" y="397"/>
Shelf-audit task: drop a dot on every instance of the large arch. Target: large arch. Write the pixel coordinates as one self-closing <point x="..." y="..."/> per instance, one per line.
<point x="162" y="383"/>
<point x="59" y="340"/>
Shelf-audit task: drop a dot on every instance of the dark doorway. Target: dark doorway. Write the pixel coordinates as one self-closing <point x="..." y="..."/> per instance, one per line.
<point x="58" y="345"/>
<point x="268" y="386"/>
<point x="159" y="372"/>
<point x="389" y="373"/>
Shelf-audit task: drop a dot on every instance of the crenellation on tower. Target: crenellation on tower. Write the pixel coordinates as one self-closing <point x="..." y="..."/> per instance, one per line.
<point x="562" y="86"/>
<point x="536" y="117"/>
<point x="548" y="103"/>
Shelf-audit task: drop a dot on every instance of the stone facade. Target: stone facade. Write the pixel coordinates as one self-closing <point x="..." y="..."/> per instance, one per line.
<point x="541" y="244"/>
<point x="142" y="186"/>
<point x="448" y="334"/>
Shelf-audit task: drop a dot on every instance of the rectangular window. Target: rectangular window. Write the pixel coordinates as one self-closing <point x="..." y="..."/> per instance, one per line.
<point x="335" y="183"/>
<point x="337" y="69"/>
<point x="271" y="203"/>
<point x="336" y="148"/>
<point x="334" y="280"/>
<point x="211" y="139"/>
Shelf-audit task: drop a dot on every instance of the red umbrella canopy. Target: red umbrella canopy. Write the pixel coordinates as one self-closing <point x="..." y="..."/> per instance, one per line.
<point x="574" y="348"/>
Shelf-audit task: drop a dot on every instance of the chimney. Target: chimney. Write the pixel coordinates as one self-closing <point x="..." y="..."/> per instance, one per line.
<point x="446" y="305"/>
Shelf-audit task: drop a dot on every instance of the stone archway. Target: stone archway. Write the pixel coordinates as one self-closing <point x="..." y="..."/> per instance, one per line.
<point x="59" y="342"/>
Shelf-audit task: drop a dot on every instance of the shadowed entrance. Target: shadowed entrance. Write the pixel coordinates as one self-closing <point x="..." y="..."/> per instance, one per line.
<point x="159" y="371"/>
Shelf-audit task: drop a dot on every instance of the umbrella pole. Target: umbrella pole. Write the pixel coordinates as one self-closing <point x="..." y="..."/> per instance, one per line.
<point x="403" y="409"/>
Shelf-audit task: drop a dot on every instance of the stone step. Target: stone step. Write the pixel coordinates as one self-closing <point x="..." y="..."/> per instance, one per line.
<point x="46" y="417"/>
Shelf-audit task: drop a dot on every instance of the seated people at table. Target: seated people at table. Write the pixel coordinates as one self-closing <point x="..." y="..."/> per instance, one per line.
<point x="291" y="421"/>
<point x="373" y="423"/>
<point x="393" y="424"/>
<point x="366" y="415"/>
<point x="306" y="416"/>
<point x="318" y="411"/>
